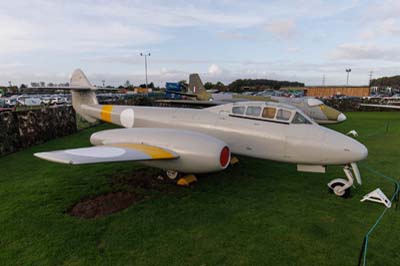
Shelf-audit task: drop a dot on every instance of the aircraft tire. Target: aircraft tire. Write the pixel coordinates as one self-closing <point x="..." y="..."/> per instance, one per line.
<point x="337" y="185"/>
<point x="172" y="174"/>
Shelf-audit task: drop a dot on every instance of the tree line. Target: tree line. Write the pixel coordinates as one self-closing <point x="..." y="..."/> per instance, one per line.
<point x="393" y="81"/>
<point x="242" y="84"/>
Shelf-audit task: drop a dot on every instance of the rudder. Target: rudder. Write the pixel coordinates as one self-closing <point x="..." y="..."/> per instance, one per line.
<point x="82" y="93"/>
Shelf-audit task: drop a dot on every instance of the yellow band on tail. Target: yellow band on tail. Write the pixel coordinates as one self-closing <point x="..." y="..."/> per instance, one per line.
<point x="106" y="112"/>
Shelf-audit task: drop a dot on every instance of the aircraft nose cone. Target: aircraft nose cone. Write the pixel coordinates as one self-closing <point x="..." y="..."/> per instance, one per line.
<point x="362" y="152"/>
<point x="341" y="117"/>
<point x="341" y="149"/>
<point x="358" y="151"/>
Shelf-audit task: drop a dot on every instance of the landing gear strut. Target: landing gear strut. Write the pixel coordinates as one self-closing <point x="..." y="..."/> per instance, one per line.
<point x="183" y="181"/>
<point x="341" y="187"/>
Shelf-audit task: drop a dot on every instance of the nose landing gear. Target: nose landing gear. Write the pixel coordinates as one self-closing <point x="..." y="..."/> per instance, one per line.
<point x="341" y="187"/>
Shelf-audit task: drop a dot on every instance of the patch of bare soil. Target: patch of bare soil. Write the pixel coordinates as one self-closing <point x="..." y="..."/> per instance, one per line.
<point x="103" y="205"/>
<point x="144" y="181"/>
<point x="132" y="187"/>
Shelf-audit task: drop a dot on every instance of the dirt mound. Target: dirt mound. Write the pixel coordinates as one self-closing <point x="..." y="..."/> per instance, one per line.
<point x="143" y="181"/>
<point x="134" y="186"/>
<point x="103" y="205"/>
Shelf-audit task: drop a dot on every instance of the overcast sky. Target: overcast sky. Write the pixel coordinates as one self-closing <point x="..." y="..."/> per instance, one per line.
<point x="222" y="40"/>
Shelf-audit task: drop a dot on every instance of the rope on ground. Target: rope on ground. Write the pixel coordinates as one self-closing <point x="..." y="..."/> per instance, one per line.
<point x="364" y="248"/>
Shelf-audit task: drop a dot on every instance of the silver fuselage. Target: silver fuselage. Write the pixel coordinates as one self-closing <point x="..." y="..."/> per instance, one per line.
<point x="294" y="143"/>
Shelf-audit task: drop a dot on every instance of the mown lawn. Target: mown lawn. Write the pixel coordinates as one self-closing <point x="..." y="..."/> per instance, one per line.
<point x="256" y="213"/>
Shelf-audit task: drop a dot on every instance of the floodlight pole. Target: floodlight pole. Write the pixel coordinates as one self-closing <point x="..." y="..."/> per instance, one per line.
<point x="348" y="73"/>
<point x="145" y="64"/>
<point x="370" y="77"/>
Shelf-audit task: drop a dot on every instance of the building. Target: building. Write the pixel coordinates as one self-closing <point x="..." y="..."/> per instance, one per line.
<point x="327" y="91"/>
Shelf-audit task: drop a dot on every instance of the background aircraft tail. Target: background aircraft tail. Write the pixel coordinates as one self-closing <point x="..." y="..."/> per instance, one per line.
<point x="195" y="84"/>
<point x="197" y="88"/>
<point x="82" y="93"/>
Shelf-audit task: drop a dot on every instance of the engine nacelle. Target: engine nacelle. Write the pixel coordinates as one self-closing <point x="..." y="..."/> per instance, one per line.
<point x="198" y="153"/>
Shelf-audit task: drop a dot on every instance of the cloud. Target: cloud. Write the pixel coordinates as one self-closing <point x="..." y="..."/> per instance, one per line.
<point x="96" y="26"/>
<point x="281" y="28"/>
<point x="293" y="49"/>
<point x="354" y="51"/>
<point x="233" y="36"/>
<point x="214" y="70"/>
<point x="383" y="28"/>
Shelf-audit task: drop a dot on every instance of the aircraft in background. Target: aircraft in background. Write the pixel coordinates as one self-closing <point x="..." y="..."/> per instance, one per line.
<point x="192" y="141"/>
<point x="314" y="108"/>
<point x="381" y="106"/>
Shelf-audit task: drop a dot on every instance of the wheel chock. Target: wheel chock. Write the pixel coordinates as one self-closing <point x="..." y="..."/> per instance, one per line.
<point x="186" y="180"/>
<point x="234" y="160"/>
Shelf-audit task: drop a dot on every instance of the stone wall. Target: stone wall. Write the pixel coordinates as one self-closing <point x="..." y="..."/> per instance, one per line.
<point x="19" y="130"/>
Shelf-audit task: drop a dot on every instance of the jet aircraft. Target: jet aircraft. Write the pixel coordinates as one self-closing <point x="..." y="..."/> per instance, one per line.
<point x="192" y="141"/>
<point x="314" y="108"/>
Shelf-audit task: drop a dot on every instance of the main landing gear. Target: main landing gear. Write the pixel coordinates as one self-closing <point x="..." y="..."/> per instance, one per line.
<point x="172" y="174"/>
<point x="341" y="187"/>
<point x="183" y="181"/>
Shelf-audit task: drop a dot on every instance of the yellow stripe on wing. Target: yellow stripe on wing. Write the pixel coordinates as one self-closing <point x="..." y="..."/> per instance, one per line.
<point x="106" y="112"/>
<point x="154" y="152"/>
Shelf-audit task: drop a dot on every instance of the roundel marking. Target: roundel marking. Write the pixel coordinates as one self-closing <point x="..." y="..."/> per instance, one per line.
<point x="127" y="118"/>
<point x="97" y="152"/>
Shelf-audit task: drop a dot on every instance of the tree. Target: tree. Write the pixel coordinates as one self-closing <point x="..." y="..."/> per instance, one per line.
<point x="386" y="81"/>
<point x="238" y="84"/>
<point x="219" y="85"/>
<point x="184" y="84"/>
<point x="208" y="85"/>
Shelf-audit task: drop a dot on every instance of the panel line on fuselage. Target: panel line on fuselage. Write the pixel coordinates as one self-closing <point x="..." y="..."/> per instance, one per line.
<point x="259" y="119"/>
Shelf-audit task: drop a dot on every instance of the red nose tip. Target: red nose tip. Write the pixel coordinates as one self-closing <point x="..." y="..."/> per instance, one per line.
<point x="224" y="156"/>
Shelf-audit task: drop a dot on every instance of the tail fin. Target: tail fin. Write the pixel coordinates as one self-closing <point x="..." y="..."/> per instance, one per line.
<point x="79" y="80"/>
<point x="82" y="93"/>
<point x="196" y="87"/>
<point x="195" y="84"/>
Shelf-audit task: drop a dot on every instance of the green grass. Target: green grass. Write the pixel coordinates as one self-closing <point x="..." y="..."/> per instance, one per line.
<point x="256" y="213"/>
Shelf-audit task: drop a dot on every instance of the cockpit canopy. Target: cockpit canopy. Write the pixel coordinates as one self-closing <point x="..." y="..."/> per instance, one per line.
<point x="270" y="112"/>
<point x="312" y="102"/>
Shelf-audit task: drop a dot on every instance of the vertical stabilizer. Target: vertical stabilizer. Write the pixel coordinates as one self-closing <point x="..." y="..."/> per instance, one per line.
<point x="79" y="79"/>
<point x="196" y="87"/>
<point x="195" y="84"/>
<point x="82" y="93"/>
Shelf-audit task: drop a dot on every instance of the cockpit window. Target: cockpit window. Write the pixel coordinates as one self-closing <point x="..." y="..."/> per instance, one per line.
<point x="239" y="110"/>
<point x="269" y="112"/>
<point x="283" y="115"/>
<point x="253" y="111"/>
<point x="312" y="102"/>
<point x="300" y="119"/>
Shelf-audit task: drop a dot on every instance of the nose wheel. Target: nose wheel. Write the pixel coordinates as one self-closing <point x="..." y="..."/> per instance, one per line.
<point x="341" y="187"/>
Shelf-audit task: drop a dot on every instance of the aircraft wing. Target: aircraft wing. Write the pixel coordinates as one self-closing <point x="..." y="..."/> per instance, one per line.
<point x="200" y="103"/>
<point x="118" y="152"/>
<point x="183" y="93"/>
<point x="190" y="102"/>
<point x="381" y="106"/>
